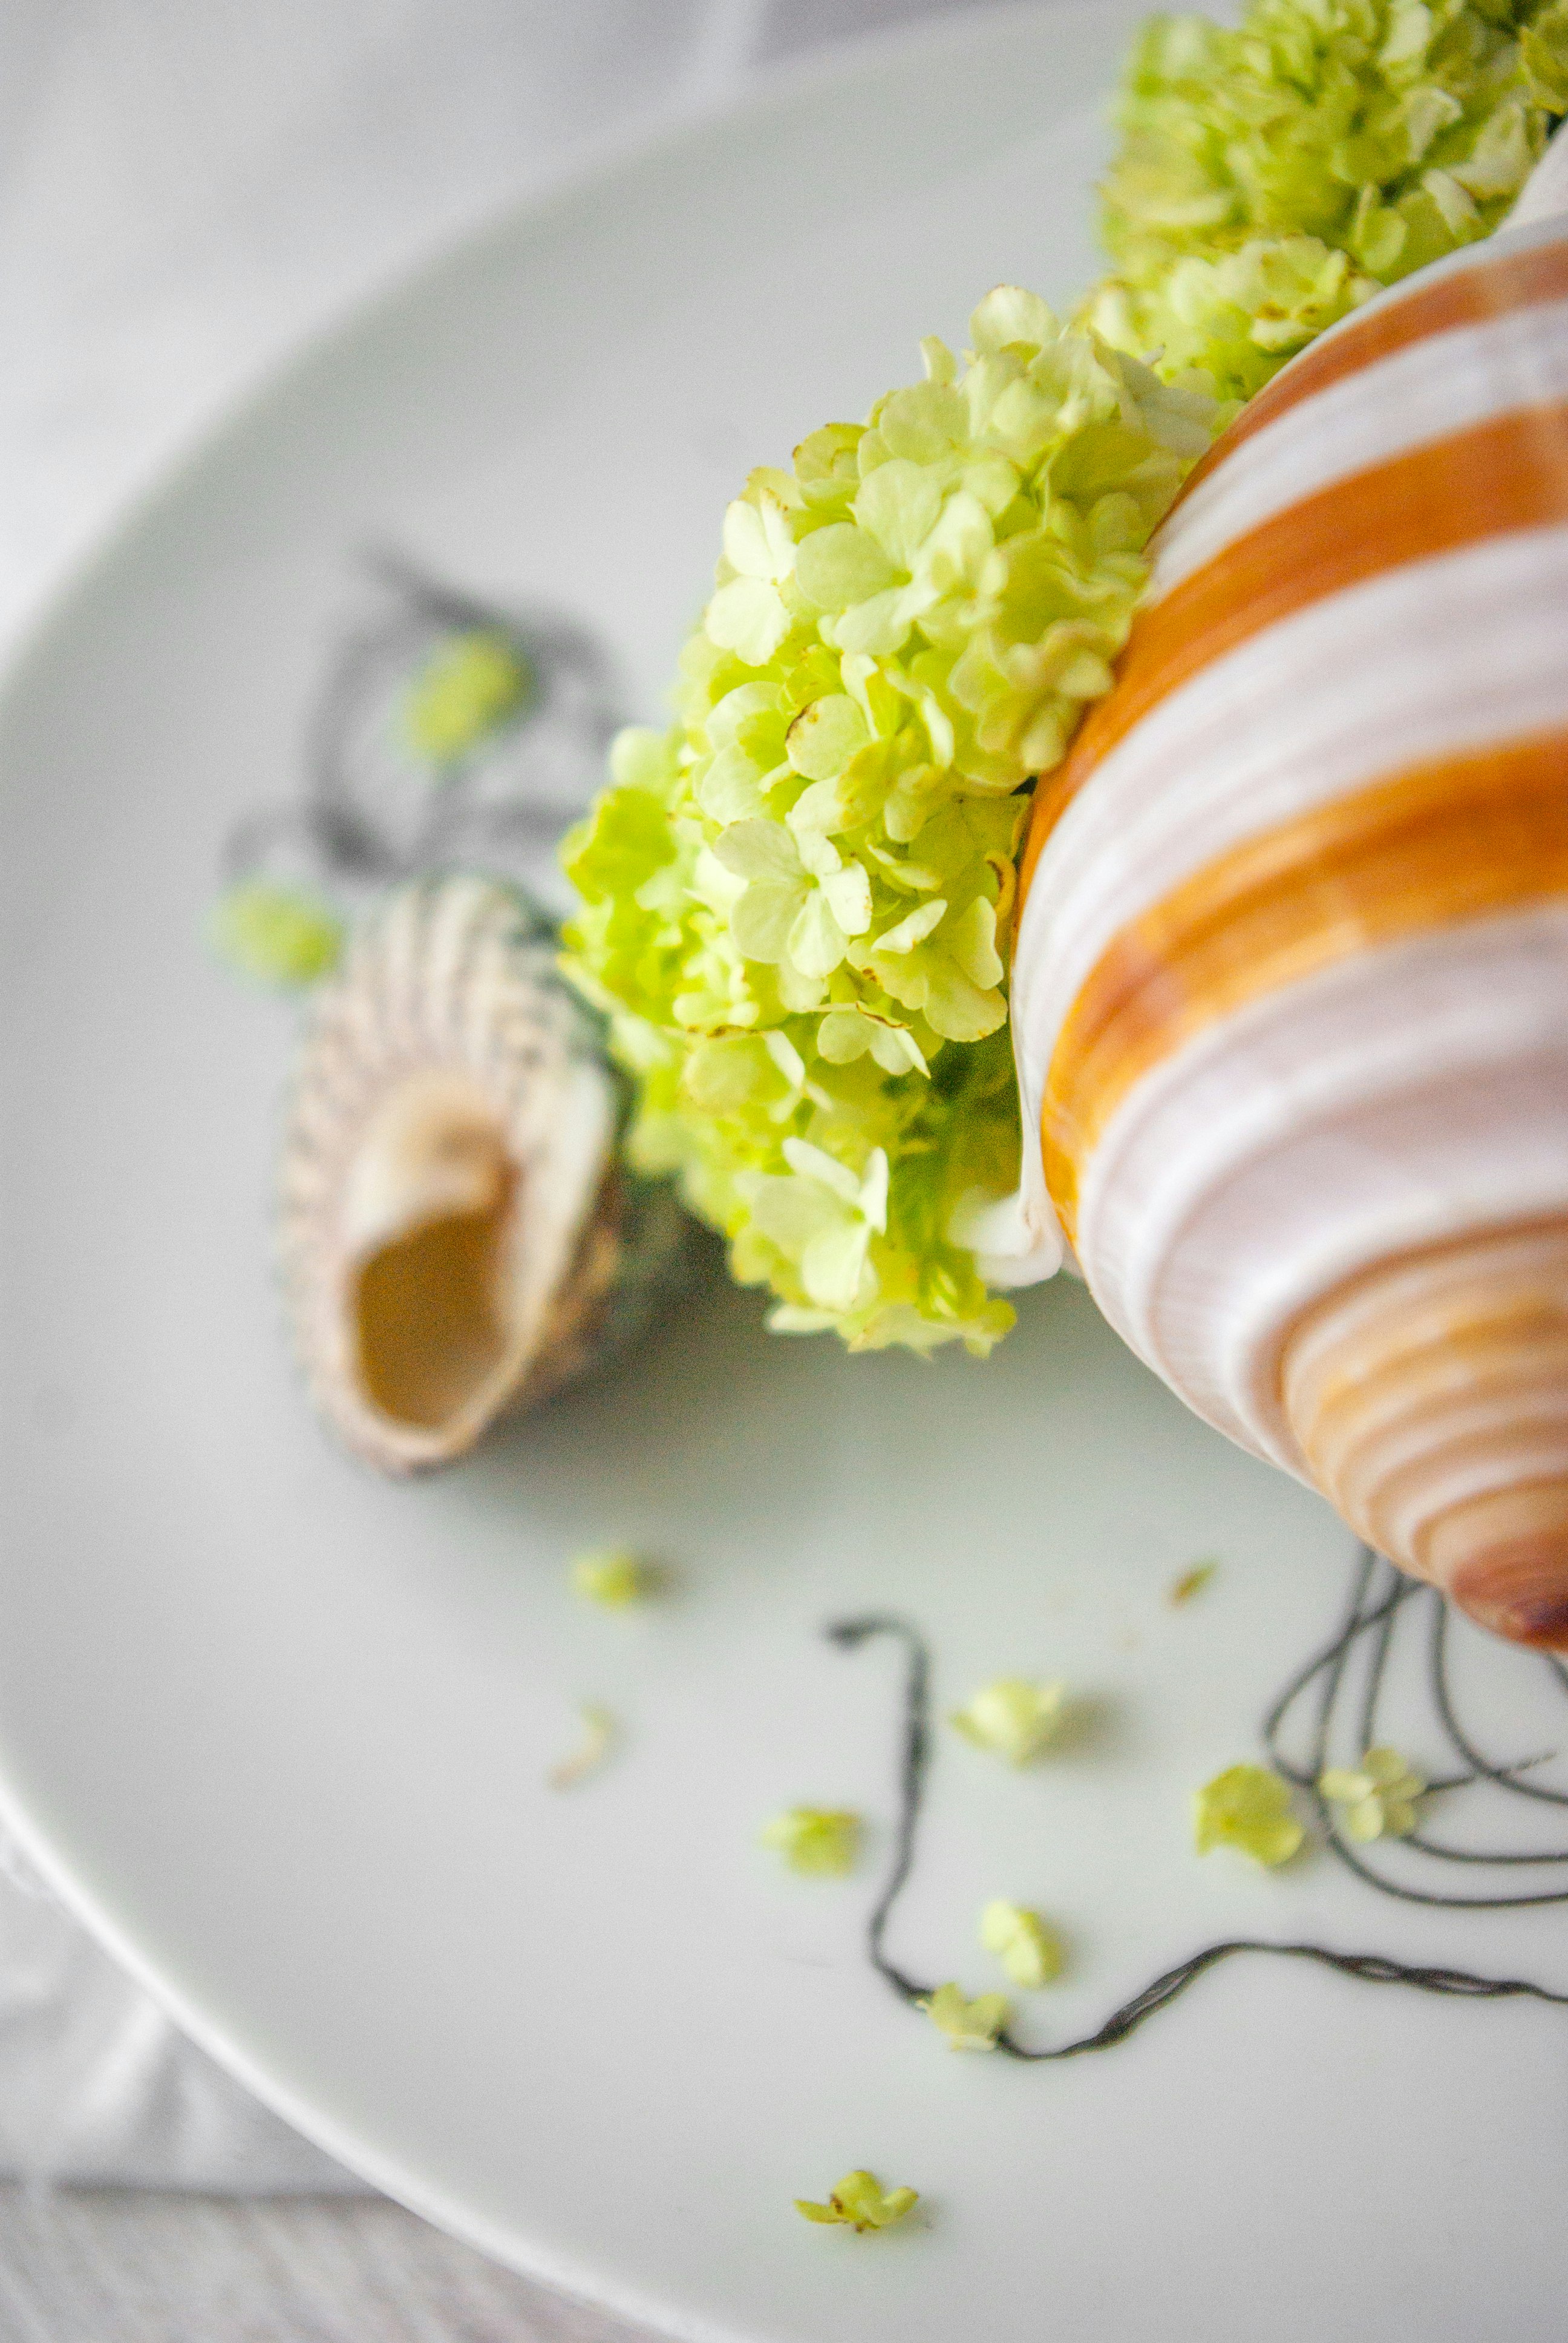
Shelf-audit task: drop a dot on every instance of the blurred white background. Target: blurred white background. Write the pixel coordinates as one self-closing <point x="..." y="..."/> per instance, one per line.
<point x="188" y="189"/>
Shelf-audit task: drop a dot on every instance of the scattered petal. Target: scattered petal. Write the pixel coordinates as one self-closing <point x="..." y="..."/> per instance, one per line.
<point x="1028" y="1949"/>
<point x="967" y="2025"/>
<point x="859" y="2203"/>
<point x="615" y="1578"/>
<point x="757" y="538"/>
<point x="821" y="1841"/>
<point x="1247" y="1807"/>
<point x="1015" y="1718"/>
<point x="748" y="617"/>
<point x="1380" y="1796"/>
<point x="1191" y="1583"/>
<point x="599" y="1735"/>
<point x="824" y="736"/>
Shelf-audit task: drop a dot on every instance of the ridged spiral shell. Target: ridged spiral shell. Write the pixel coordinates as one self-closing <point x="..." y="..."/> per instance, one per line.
<point x="455" y="1236"/>
<point x="1290" y="989"/>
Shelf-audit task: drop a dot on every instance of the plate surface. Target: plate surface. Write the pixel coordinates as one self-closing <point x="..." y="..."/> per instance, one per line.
<point x="281" y="1732"/>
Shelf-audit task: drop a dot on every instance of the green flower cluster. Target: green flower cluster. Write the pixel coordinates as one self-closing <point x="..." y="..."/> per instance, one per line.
<point x="1272" y="175"/>
<point x="794" y="905"/>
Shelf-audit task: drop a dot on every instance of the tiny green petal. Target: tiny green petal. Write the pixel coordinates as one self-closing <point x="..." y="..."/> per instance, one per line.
<point x="277" y="935"/>
<point x="1247" y="1807"/>
<point x="859" y="2203"/>
<point x="469" y="687"/>
<point x="913" y="929"/>
<point x="939" y="361"/>
<point x="1008" y="315"/>
<point x="1379" y="1796"/>
<point x="1016" y="1719"/>
<point x="748" y="617"/>
<point x="900" y="505"/>
<point x="759" y="850"/>
<point x="967" y="2025"/>
<point x="1191" y="1584"/>
<point x="824" y="736"/>
<point x="823" y="1842"/>
<point x="1028" y="1948"/>
<point x="614" y="1578"/>
<point x="971" y="942"/>
<point x="757" y="539"/>
<point x="599" y="1735"/>
<point x="841" y="566"/>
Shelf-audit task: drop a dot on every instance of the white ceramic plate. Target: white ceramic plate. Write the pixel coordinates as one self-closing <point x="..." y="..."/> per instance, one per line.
<point x="280" y="1731"/>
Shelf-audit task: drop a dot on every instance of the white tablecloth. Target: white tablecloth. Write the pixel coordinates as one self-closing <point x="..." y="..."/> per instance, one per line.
<point x="187" y="188"/>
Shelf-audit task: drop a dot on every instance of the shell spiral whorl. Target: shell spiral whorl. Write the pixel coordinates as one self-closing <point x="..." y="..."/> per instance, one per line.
<point x="1291" y="982"/>
<point x="1430" y="1397"/>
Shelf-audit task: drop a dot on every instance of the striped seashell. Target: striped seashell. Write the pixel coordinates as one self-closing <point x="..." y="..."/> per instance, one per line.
<point x="1290" y="990"/>
<point x="457" y="1236"/>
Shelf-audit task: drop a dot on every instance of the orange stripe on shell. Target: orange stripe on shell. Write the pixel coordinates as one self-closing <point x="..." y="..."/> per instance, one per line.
<point x="1460" y="297"/>
<point x="1509" y="473"/>
<point x="1448" y="841"/>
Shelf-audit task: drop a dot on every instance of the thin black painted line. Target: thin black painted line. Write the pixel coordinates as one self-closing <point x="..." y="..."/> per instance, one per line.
<point x="913" y="1769"/>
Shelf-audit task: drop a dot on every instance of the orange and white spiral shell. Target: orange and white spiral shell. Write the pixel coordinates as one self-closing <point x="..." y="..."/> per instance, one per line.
<point x="1290" y="989"/>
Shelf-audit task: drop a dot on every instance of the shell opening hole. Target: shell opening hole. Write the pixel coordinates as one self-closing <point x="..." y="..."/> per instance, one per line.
<point x="430" y="1317"/>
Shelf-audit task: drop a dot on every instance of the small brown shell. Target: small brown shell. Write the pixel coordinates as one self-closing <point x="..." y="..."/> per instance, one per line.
<point x="453" y="1218"/>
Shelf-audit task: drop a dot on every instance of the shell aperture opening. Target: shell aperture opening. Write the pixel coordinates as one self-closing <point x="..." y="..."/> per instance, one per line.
<point x="426" y="1212"/>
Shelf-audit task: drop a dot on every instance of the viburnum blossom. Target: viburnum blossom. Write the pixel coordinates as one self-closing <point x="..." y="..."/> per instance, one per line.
<point x="1272" y="175"/>
<point x="796" y="904"/>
